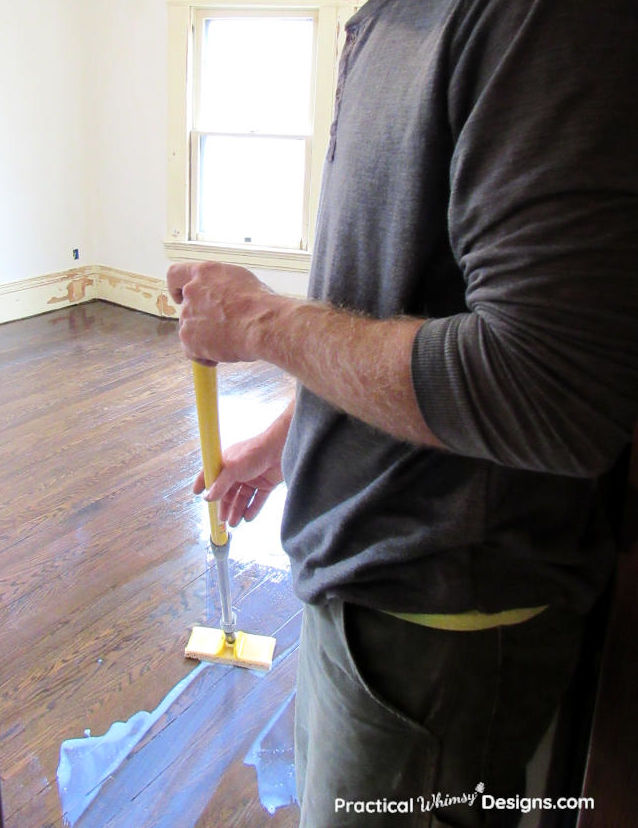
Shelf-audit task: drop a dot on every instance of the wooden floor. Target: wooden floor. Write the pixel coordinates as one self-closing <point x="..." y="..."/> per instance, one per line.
<point x="103" y="722"/>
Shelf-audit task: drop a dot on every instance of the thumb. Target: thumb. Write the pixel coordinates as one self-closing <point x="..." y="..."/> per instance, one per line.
<point x="225" y="480"/>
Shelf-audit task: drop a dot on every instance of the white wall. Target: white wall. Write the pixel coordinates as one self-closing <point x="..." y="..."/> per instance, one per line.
<point x="82" y="135"/>
<point x="127" y="93"/>
<point x="42" y="130"/>
<point x="83" y="138"/>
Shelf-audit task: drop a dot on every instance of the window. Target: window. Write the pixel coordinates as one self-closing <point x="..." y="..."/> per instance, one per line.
<point x="252" y="134"/>
<point x="251" y="89"/>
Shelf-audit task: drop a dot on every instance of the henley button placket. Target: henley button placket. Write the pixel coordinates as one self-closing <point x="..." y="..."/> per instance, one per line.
<point x="351" y="37"/>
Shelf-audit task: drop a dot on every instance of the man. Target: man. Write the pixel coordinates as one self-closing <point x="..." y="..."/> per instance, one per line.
<point x="468" y="367"/>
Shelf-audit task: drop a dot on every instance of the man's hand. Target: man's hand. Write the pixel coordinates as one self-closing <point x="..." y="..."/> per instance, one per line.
<point x="221" y="307"/>
<point x="360" y="365"/>
<point x="250" y="471"/>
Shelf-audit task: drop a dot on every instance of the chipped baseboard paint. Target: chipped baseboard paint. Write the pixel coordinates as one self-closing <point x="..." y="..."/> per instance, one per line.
<point x="132" y="290"/>
<point x="29" y="297"/>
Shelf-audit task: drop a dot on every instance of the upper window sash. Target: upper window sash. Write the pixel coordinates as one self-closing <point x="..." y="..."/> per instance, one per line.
<point x="331" y="16"/>
<point x="204" y="121"/>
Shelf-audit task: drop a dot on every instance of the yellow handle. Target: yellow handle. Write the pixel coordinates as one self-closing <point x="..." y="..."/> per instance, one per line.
<point x="205" y="378"/>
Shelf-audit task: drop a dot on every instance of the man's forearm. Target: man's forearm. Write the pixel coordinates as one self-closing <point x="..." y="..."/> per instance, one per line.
<point x="360" y="365"/>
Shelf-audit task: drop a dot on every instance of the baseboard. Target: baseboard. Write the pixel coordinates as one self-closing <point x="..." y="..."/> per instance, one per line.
<point x="132" y="290"/>
<point x="29" y="297"/>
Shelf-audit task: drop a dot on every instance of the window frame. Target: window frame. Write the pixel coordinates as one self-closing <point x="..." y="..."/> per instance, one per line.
<point x="181" y="242"/>
<point x="310" y="139"/>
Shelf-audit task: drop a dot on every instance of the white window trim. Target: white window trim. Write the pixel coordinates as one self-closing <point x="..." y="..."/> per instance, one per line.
<point x="331" y="17"/>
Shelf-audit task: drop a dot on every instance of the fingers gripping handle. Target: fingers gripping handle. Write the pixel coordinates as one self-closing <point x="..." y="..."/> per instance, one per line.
<point x="205" y="379"/>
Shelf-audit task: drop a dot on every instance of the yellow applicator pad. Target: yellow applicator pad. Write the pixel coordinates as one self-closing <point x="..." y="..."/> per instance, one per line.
<point x="209" y="644"/>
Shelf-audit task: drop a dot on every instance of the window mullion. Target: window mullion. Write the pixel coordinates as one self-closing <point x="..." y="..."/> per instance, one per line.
<point x="257" y="135"/>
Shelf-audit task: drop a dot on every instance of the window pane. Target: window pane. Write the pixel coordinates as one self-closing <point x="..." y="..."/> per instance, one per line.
<point x="256" y="75"/>
<point x="251" y="190"/>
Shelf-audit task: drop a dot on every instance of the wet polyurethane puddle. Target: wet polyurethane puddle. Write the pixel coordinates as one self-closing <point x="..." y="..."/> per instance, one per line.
<point x="85" y="764"/>
<point x="272" y="756"/>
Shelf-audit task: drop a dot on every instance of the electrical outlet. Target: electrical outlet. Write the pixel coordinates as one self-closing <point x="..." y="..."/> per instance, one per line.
<point x="76" y="253"/>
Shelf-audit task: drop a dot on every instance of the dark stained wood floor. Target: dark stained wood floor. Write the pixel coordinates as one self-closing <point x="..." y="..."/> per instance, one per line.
<point x="103" y="571"/>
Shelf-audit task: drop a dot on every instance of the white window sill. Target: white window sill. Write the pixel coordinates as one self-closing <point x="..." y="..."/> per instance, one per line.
<point x="248" y="256"/>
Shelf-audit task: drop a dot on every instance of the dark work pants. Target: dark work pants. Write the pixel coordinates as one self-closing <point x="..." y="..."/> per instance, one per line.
<point x="402" y="724"/>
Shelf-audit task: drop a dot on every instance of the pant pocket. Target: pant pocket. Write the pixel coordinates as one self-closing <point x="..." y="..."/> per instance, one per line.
<point x="398" y="664"/>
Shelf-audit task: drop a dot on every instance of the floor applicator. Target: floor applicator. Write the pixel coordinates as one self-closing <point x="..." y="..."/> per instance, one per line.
<point x="226" y="644"/>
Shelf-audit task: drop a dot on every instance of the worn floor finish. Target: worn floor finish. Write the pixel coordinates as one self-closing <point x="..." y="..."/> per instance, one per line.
<point x="103" y="570"/>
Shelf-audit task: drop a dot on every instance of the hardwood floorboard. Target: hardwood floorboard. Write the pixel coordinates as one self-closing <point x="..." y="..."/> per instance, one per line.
<point x="103" y="570"/>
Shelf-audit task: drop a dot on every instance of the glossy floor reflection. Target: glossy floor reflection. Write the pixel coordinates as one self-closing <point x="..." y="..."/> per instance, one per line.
<point x="102" y="573"/>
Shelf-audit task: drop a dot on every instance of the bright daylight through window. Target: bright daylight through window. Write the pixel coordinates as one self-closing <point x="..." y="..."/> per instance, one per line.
<point x="251" y="140"/>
